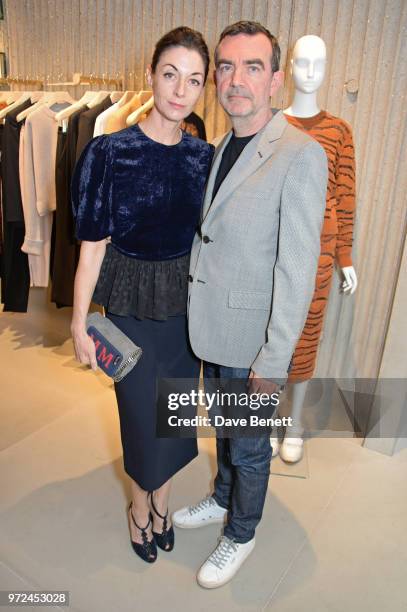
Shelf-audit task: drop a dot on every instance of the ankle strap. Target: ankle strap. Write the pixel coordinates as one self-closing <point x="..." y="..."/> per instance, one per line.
<point x="134" y="520"/>
<point x="155" y="509"/>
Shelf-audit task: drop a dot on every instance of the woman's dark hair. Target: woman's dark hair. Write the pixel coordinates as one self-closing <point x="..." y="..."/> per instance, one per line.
<point x="251" y="28"/>
<point x="182" y="37"/>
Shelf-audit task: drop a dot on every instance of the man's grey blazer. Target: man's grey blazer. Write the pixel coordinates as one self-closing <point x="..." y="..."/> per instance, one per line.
<point x="254" y="260"/>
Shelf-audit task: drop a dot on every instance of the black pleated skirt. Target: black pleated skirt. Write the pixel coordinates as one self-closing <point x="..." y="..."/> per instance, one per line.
<point x="149" y="460"/>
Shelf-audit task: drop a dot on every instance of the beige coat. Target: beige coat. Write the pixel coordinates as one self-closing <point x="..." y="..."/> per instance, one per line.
<point x="37" y="153"/>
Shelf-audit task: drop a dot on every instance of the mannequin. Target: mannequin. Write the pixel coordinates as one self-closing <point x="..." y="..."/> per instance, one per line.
<point x="308" y="66"/>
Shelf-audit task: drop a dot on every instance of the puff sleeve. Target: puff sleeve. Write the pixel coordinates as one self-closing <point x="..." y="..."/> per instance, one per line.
<point x="92" y="191"/>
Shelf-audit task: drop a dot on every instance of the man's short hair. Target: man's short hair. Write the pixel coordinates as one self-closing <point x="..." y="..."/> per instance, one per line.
<point x="251" y="28"/>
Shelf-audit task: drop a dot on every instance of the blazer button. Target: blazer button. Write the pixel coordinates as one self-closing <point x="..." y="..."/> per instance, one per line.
<point x="190" y="278"/>
<point x="206" y="239"/>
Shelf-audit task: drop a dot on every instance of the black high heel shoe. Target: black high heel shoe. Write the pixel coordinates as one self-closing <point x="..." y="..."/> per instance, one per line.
<point x="165" y="539"/>
<point x="148" y="549"/>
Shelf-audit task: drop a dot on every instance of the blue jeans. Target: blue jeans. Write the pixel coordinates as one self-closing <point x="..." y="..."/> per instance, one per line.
<point x="243" y="471"/>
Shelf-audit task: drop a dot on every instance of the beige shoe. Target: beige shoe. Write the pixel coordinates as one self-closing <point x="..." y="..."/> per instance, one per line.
<point x="292" y="449"/>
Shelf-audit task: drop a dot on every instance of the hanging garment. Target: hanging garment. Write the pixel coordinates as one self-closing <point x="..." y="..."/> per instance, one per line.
<point x="15" y="272"/>
<point x="335" y="135"/>
<point x="38" y="142"/>
<point x="87" y="124"/>
<point x="66" y="253"/>
<point x="117" y="121"/>
<point x="1" y="201"/>
<point x="101" y="120"/>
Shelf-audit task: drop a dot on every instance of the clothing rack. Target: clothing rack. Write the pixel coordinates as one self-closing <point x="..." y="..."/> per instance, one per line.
<point x="21" y="81"/>
<point x="80" y="79"/>
<point x="77" y="79"/>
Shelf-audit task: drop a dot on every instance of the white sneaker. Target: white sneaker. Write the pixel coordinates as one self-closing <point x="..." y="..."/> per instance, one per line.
<point x="205" y="512"/>
<point x="224" y="562"/>
<point x="292" y="449"/>
<point x="275" y="445"/>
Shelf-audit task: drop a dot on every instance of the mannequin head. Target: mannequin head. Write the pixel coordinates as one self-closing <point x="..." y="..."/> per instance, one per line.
<point x="308" y="63"/>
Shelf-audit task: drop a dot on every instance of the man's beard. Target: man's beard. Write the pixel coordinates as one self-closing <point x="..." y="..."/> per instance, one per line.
<point x="226" y="106"/>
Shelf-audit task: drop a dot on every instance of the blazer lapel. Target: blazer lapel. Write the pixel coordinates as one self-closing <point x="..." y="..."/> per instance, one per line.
<point x="256" y="152"/>
<point x="214" y="171"/>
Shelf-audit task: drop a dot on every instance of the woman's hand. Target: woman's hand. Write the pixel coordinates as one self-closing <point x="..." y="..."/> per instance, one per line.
<point x="85" y="351"/>
<point x="90" y="261"/>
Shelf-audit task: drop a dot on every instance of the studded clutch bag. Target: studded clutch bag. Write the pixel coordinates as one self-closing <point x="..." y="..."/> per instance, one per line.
<point x="116" y="354"/>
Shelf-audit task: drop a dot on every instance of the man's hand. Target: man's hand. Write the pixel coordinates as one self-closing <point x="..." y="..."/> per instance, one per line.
<point x="262" y="385"/>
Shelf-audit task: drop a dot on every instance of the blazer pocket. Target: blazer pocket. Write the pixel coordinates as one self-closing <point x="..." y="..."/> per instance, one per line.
<point x="254" y="300"/>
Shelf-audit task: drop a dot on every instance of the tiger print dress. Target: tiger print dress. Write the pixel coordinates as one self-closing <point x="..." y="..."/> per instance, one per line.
<point x="335" y="136"/>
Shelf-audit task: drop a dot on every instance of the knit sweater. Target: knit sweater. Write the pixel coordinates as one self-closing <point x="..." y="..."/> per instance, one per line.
<point x="335" y="135"/>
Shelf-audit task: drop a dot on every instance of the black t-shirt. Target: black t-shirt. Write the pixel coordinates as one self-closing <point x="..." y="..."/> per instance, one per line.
<point x="229" y="156"/>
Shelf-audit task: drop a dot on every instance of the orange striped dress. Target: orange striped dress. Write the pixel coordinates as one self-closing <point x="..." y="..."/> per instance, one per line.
<point x="335" y="136"/>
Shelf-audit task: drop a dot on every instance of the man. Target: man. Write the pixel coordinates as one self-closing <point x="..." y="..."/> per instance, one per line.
<point x="252" y="273"/>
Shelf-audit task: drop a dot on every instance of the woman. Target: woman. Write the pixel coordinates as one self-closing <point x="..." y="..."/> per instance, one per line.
<point x="142" y="189"/>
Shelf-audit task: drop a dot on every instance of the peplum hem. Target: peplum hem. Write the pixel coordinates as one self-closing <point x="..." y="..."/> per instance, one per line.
<point x="144" y="289"/>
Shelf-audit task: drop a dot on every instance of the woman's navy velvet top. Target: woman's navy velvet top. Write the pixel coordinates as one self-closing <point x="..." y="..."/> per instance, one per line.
<point x="146" y="195"/>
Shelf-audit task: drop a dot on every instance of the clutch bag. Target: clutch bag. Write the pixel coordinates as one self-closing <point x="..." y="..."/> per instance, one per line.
<point x="116" y="354"/>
